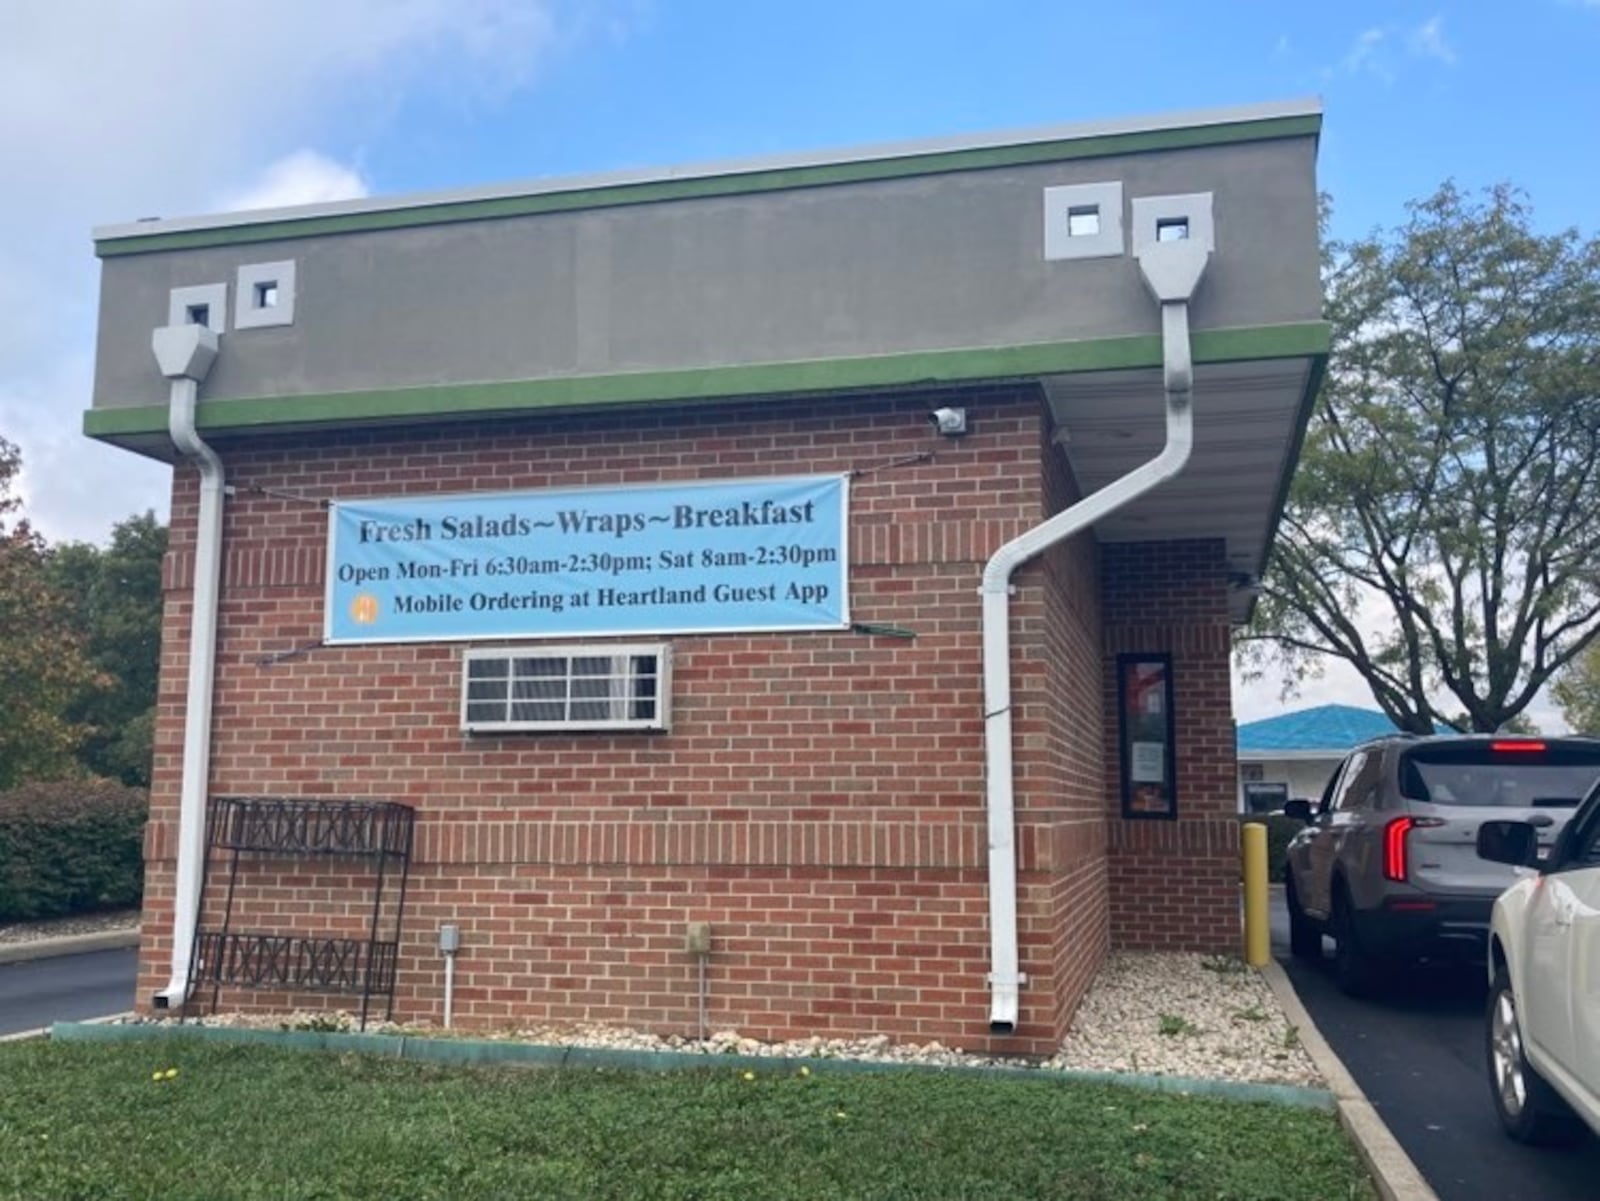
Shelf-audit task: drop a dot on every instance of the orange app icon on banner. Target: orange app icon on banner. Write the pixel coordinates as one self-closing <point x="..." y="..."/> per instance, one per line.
<point x="364" y="609"/>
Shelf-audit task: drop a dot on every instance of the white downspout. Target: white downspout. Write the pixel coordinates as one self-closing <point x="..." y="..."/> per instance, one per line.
<point x="185" y="353"/>
<point x="1171" y="270"/>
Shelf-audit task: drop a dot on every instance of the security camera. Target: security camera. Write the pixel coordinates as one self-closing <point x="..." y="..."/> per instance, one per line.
<point x="952" y="423"/>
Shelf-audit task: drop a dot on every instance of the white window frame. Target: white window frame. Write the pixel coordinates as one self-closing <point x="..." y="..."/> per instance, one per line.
<point x="1105" y="199"/>
<point x="250" y="315"/>
<point x="212" y="297"/>
<point x="621" y="688"/>
<point x="1151" y="212"/>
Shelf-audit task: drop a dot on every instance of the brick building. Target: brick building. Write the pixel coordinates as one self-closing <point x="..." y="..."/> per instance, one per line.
<point x="652" y="538"/>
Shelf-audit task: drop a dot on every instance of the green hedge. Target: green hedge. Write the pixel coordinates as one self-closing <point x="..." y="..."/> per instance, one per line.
<point x="70" y="847"/>
<point x="1280" y="830"/>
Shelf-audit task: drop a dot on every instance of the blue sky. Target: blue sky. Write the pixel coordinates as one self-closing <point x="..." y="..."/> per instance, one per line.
<point x="1414" y="92"/>
<point x="172" y="107"/>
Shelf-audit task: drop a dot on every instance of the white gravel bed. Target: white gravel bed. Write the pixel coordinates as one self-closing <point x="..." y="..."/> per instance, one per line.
<point x="1155" y="1014"/>
<point x="1185" y="1015"/>
<point x="60" y="927"/>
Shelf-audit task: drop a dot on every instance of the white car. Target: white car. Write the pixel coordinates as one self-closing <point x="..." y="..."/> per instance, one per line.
<point x="1544" y="972"/>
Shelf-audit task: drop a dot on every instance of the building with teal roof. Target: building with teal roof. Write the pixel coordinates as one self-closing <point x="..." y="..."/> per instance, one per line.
<point x="1293" y="754"/>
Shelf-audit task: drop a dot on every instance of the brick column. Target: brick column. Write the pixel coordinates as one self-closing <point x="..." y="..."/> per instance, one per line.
<point x="1174" y="884"/>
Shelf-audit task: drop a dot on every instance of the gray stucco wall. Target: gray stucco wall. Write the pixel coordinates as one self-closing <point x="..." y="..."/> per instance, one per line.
<point x="923" y="263"/>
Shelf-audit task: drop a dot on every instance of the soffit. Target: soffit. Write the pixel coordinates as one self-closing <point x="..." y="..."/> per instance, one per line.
<point x="1247" y="418"/>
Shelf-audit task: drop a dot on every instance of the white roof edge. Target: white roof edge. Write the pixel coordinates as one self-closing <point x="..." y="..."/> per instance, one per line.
<point x="1304" y="107"/>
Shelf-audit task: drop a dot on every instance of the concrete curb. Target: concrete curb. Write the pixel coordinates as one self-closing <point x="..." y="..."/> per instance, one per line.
<point x="1396" y="1176"/>
<point x="449" y="1050"/>
<point x="68" y="944"/>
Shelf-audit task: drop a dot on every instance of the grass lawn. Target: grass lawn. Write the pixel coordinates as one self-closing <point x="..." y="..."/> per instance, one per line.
<point x="88" y="1121"/>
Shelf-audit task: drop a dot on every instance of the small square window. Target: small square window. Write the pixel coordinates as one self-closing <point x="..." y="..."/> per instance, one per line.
<point x="199" y="304"/>
<point x="266" y="294"/>
<point x="1180" y="218"/>
<point x="1083" y="221"/>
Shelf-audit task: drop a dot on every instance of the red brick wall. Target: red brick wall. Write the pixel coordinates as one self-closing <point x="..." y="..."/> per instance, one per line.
<point x="819" y="799"/>
<point x="1175" y="884"/>
<point x="1063" y="789"/>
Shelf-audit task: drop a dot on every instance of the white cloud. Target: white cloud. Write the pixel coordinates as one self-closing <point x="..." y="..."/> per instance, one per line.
<point x="304" y="177"/>
<point x="1265" y="691"/>
<point x="1340" y="684"/>
<point x="71" y="488"/>
<point x="1364" y="55"/>
<point x="154" y="101"/>
<point x="110" y="112"/>
<point x="1427" y="41"/>
<point x="1378" y="51"/>
<point x="1337" y="684"/>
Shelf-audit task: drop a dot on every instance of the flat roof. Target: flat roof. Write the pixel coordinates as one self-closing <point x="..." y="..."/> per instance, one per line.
<point x="1091" y="139"/>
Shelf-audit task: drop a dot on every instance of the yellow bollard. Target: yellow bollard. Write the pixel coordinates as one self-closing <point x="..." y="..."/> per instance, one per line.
<point x="1257" y="934"/>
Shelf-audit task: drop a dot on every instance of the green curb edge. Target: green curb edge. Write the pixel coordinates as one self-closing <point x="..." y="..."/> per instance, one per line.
<point x="479" y="1051"/>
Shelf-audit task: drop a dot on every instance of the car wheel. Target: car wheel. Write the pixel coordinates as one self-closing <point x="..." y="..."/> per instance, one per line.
<point x="1529" y="1109"/>
<point x="1353" y="967"/>
<point x="1305" y="940"/>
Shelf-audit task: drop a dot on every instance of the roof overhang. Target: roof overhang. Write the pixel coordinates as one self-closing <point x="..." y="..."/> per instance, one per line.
<point x="1250" y="416"/>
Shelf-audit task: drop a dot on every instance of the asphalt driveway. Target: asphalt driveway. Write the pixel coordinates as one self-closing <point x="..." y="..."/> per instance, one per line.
<point x="67" y="988"/>
<point x="1417" y="1052"/>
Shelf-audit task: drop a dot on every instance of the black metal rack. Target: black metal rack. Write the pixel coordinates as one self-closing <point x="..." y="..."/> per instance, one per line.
<point x="280" y="828"/>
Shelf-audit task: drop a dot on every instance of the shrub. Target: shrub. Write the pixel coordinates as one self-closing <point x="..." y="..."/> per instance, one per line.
<point x="70" y="847"/>
<point x="1280" y="830"/>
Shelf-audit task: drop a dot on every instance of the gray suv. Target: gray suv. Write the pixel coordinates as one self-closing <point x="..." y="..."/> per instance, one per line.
<point x="1388" y="862"/>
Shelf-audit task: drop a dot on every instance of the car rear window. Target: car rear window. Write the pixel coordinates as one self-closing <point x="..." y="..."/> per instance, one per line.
<point x="1500" y="774"/>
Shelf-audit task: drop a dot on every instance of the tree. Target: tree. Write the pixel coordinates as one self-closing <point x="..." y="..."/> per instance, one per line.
<point x="1577" y="691"/>
<point x="1441" y="533"/>
<point x="114" y="598"/>
<point x="43" y="669"/>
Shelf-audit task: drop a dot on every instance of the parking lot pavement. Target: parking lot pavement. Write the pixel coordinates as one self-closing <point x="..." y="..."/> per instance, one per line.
<point x="1417" y="1051"/>
<point x="67" y="988"/>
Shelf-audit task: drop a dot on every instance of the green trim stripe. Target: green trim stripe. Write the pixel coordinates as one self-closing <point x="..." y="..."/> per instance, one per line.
<point x="467" y="401"/>
<point x="746" y="183"/>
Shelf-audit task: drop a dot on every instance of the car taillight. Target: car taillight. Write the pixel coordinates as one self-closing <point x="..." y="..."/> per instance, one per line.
<point x="1519" y="745"/>
<point x="1396" y="860"/>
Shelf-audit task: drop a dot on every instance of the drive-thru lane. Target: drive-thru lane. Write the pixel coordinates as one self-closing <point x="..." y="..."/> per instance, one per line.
<point x="1417" y="1052"/>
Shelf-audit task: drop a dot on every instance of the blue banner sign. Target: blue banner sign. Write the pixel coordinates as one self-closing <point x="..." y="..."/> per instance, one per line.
<point x="754" y="554"/>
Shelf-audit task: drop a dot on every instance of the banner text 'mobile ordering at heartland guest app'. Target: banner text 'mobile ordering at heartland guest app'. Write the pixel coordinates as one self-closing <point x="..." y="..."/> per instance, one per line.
<point x="727" y="555"/>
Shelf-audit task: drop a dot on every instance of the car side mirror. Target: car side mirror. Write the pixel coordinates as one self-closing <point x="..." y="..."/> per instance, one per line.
<point x="1516" y="843"/>
<point x="1299" y="809"/>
